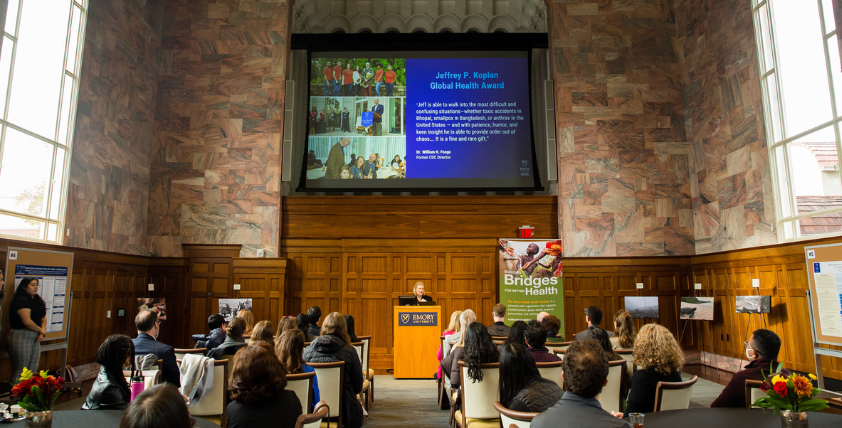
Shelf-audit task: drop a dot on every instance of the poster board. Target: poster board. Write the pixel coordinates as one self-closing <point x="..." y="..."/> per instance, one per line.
<point x="824" y="273"/>
<point x="530" y="278"/>
<point x="53" y="270"/>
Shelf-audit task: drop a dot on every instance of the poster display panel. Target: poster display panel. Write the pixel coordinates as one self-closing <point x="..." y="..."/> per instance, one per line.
<point x="530" y="279"/>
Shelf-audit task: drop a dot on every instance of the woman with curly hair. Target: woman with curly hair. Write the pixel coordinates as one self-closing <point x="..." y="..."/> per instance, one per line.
<point x="659" y="358"/>
<point x="623" y="330"/>
<point x="258" y="397"/>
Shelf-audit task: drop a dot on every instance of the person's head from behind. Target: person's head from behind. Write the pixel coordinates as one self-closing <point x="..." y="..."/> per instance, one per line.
<point x="349" y="324"/>
<point x="146" y="322"/>
<point x="289" y="349"/>
<point x="334" y="325"/>
<point x="215" y="321"/>
<point x="479" y="349"/>
<point x="454" y="322"/>
<point x="498" y="312"/>
<point x="517" y="368"/>
<point x="601" y="336"/>
<point x="303" y="322"/>
<point x="624" y="329"/>
<point x="236" y="328"/>
<point x="257" y="374"/>
<point x="248" y="317"/>
<point x="516" y="334"/>
<point x="314" y="314"/>
<point x="286" y="324"/>
<point x="116" y="353"/>
<point x="264" y="330"/>
<point x="655" y="347"/>
<point x="541" y="316"/>
<point x="467" y="318"/>
<point x="159" y="406"/>
<point x="594" y="316"/>
<point x="763" y="344"/>
<point x="585" y="368"/>
<point x="552" y="324"/>
<point x="535" y="334"/>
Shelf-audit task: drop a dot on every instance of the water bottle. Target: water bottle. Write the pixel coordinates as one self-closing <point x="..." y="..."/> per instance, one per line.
<point x="138" y="384"/>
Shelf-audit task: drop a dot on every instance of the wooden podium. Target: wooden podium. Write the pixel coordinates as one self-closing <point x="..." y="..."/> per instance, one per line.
<point x="417" y="338"/>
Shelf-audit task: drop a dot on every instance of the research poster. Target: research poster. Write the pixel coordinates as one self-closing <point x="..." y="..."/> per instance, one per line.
<point x="828" y="281"/>
<point x="52" y="287"/>
<point x="530" y="278"/>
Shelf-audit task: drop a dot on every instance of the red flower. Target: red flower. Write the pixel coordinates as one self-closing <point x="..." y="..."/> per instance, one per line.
<point x="780" y="388"/>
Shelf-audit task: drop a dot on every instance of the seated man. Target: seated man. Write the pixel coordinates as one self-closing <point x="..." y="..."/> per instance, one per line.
<point x="585" y="372"/>
<point x="315" y="314"/>
<point x="148" y="328"/>
<point x="593" y="318"/>
<point x="536" y="336"/>
<point x="553" y="325"/>
<point x="499" y="328"/>
<point x="216" y="324"/>
<point x="762" y="350"/>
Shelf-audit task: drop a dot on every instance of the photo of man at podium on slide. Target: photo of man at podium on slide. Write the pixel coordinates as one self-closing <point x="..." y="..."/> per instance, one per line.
<point x="418" y="298"/>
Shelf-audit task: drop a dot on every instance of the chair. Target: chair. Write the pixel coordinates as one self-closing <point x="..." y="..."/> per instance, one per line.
<point x="478" y="398"/>
<point x="331" y="378"/>
<point x="674" y="395"/>
<point x="753" y="392"/>
<point x="512" y="418"/>
<point x="302" y="385"/>
<point x="366" y="393"/>
<point x="180" y="353"/>
<point x="550" y="370"/>
<point x="498" y="340"/>
<point x="230" y="359"/>
<point x="559" y="352"/>
<point x="150" y="377"/>
<point x="440" y="385"/>
<point x="367" y="372"/>
<point x="561" y="346"/>
<point x="628" y="355"/>
<point x="314" y="420"/>
<point x="213" y="406"/>
<point x="610" y="397"/>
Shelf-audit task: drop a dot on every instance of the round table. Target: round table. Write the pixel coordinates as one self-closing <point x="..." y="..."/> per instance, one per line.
<point x="721" y="417"/>
<point x="97" y="418"/>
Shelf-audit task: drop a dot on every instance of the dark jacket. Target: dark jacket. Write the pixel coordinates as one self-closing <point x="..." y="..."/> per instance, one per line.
<point x="543" y="355"/>
<point x="450" y="365"/>
<point x="499" y="329"/>
<point x="215" y="338"/>
<point x="577" y="411"/>
<point x="329" y="349"/>
<point x="642" y="393"/>
<point x="228" y="347"/>
<point x="582" y="335"/>
<point x="734" y="394"/>
<point x="314" y="331"/>
<point x="145" y="344"/>
<point x="279" y="411"/>
<point x="108" y="393"/>
<point x="537" y="396"/>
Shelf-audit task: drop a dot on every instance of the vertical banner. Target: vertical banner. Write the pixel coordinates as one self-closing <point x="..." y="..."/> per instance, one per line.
<point x="530" y="278"/>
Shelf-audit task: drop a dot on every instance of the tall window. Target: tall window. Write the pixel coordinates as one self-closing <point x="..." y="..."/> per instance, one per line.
<point x="40" y="59"/>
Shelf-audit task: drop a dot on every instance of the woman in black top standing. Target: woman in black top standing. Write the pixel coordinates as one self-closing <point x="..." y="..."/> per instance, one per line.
<point x="28" y="319"/>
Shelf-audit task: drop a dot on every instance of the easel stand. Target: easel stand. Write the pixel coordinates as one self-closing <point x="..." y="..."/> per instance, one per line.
<point x="710" y="336"/>
<point x="748" y="326"/>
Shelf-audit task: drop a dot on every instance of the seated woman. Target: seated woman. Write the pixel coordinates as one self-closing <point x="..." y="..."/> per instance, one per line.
<point x="357" y="169"/>
<point x="263" y="331"/>
<point x="453" y="327"/>
<point x="450" y="363"/>
<point x="233" y="340"/>
<point x="110" y="390"/>
<point x="160" y="406"/>
<point x="303" y="323"/>
<point x="521" y="386"/>
<point x="335" y="345"/>
<point x="659" y="359"/>
<point x="517" y="334"/>
<point x="478" y="349"/>
<point x="258" y="397"/>
<point x="349" y="323"/>
<point x="248" y="317"/>
<point x="553" y="325"/>
<point x="289" y="350"/>
<point x="623" y="330"/>
<point x="287" y="323"/>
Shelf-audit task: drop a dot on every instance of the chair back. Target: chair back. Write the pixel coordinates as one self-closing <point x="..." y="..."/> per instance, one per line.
<point x="478" y="397"/>
<point x="314" y="420"/>
<point x="358" y="346"/>
<point x="150" y="377"/>
<point x="443" y="355"/>
<point x="302" y="385"/>
<point x="366" y="352"/>
<point x="753" y="392"/>
<point x="550" y="370"/>
<point x="180" y="353"/>
<point x="628" y="355"/>
<point x="230" y="359"/>
<point x="561" y="346"/>
<point x="610" y="396"/>
<point x="674" y="395"/>
<point x="331" y="378"/>
<point x="215" y="402"/>
<point x="559" y="352"/>
<point x="513" y="418"/>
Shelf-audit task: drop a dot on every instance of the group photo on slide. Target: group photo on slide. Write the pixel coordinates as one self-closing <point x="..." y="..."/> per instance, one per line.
<point x="360" y="116"/>
<point x="356" y="158"/>
<point x="352" y="77"/>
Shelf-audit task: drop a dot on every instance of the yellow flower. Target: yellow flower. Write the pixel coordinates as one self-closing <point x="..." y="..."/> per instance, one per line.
<point x="778" y="378"/>
<point x="812" y="376"/>
<point x="802" y="385"/>
<point x="44" y="374"/>
<point x="26" y="374"/>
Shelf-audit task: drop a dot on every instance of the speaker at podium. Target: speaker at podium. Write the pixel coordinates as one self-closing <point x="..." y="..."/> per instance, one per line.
<point x="417" y="336"/>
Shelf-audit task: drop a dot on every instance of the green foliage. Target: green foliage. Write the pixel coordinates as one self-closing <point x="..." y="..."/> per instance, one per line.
<point x="692" y="300"/>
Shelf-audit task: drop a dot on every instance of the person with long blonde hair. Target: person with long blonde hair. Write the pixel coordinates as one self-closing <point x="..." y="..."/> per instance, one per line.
<point x="289" y="349"/>
<point x="451" y="329"/>
<point x="248" y="317"/>
<point x="659" y="359"/>
<point x="450" y="364"/>
<point x="263" y="331"/>
<point x="624" y="334"/>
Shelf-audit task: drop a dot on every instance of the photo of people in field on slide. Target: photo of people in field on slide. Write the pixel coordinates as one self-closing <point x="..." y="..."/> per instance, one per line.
<point x="353" y="77"/>
<point x="531" y="260"/>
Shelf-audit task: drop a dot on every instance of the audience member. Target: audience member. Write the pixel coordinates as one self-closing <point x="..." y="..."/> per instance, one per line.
<point x="216" y="324"/>
<point x="452" y="339"/>
<point x="258" y="397"/>
<point x="593" y="318"/>
<point x="349" y="322"/>
<point x="110" y="390"/>
<point x="450" y="363"/>
<point x="453" y="327"/>
<point x="286" y="324"/>
<point x="623" y="330"/>
<point x="314" y="314"/>
<point x="659" y="359"/>
<point x="762" y="349"/>
<point x="248" y="317"/>
<point x="601" y="336"/>
<point x="233" y="340"/>
<point x="553" y="325"/>
<point x="521" y="386"/>
<point x="536" y="338"/>
<point x="264" y="331"/>
<point x="516" y="334"/>
<point x="290" y="350"/>
<point x="303" y="323"/>
<point x="541" y="316"/>
<point x="499" y="328"/>
<point x="585" y="372"/>
<point x="479" y="349"/>
<point x="148" y="328"/>
<point x="335" y="345"/>
<point x="160" y="406"/>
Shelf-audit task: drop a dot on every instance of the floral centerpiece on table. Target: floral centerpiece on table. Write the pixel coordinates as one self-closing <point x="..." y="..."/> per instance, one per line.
<point x="791" y="393"/>
<point x="37" y="393"/>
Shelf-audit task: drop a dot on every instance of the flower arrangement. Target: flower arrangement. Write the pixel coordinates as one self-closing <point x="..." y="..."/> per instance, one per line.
<point x="787" y="391"/>
<point x="37" y="393"/>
